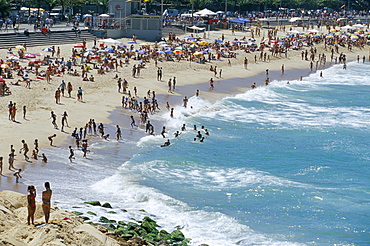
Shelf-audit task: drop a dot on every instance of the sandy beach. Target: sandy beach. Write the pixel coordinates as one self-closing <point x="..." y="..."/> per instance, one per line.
<point x="100" y="98"/>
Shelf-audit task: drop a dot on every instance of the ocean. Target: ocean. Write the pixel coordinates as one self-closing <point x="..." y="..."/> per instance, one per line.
<point x="284" y="164"/>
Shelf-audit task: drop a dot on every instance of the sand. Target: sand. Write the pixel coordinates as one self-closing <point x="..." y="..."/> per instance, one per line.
<point x="101" y="97"/>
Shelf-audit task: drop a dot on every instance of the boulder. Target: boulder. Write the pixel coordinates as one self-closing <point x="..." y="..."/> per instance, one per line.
<point x="93" y="203"/>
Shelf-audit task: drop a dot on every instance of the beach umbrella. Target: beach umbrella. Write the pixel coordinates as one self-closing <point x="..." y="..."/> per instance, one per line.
<point x="88" y="53"/>
<point x="2" y="80"/>
<point x="4" y="66"/>
<point x="178" y="51"/>
<point x="110" y="40"/>
<point x="109" y="50"/>
<point x="94" y="57"/>
<point x="13" y="57"/>
<point x="131" y="42"/>
<point x="198" y="53"/>
<point x="122" y="46"/>
<point x="203" y="43"/>
<point x="39" y="54"/>
<point x="218" y="40"/>
<point x="169" y="52"/>
<point x="180" y="48"/>
<point x="33" y="61"/>
<point x="47" y="49"/>
<point x="162" y="42"/>
<point x="20" y="47"/>
<point x="101" y="51"/>
<point x="161" y="52"/>
<point x="144" y="44"/>
<point x="142" y="51"/>
<point x="29" y="55"/>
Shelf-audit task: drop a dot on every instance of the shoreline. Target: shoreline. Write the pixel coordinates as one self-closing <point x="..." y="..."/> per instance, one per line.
<point x="103" y="103"/>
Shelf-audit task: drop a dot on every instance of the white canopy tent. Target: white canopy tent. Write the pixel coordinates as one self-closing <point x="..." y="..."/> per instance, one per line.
<point x="110" y="40"/>
<point x="205" y="12"/>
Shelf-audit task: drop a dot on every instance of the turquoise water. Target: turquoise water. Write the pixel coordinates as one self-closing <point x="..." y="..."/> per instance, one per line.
<point x="286" y="164"/>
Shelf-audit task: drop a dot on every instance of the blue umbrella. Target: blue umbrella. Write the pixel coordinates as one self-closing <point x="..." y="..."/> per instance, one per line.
<point x="169" y="52"/>
<point x="218" y="40"/>
<point x="131" y="42"/>
<point x="160" y="52"/>
<point x="109" y="50"/>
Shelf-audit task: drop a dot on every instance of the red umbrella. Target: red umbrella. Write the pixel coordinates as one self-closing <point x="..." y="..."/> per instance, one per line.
<point x="29" y="55"/>
<point x="94" y="57"/>
<point x="33" y="61"/>
<point x="2" y="80"/>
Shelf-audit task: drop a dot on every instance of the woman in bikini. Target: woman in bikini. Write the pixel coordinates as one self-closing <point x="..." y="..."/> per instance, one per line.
<point x="46" y="197"/>
<point x="31" y="198"/>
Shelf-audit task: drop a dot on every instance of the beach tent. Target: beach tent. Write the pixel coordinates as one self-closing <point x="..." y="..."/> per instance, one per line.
<point x="360" y="26"/>
<point x="313" y="31"/>
<point x="240" y="20"/>
<point x="205" y="12"/>
<point x="196" y="28"/>
<point x="347" y="27"/>
<point x="110" y="40"/>
<point x="294" y="31"/>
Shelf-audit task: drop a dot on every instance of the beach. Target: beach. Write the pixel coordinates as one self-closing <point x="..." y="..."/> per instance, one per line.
<point x="101" y="101"/>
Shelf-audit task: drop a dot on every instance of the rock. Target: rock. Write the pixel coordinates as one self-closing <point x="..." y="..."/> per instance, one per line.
<point x="91" y="213"/>
<point x="177" y="236"/>
<point x="84" y="218"/>
<point x="106" y="205"/>
<point x="124" y="210"/>
<point x="93" y="203"/>
<point x="106" y="220"/>
<point x="77" y="213"/>
<point x="110" y="227"/>
<point x="121" y="223"/>
<point x="112" y="212"/>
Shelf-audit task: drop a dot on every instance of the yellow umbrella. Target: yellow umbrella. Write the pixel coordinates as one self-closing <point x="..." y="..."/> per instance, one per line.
<point x="19" y="47"/>
<point x="198" y="53"/>
<point x="4" y="66"/>
<point x="203" y="43"/>
<point x="144" y="44"/>
<point x="193" y="46"/>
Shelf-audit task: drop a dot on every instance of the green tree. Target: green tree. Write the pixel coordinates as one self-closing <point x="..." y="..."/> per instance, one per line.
<point x="4" y="8"/>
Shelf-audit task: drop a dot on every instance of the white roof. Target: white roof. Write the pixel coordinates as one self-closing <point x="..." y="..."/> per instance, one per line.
<point x="110" y="40"/>
<point x="205" y="12"/>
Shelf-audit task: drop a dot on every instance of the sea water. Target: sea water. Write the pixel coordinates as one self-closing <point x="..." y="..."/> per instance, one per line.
<point x="284" y="164"/>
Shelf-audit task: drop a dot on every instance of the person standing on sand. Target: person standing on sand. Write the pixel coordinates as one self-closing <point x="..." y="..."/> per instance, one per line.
<point x="169" y="83"/>
<point x="25" y="149"/>
<point x="79" y="94"/>
<point x="31" y="207"/>
<point x="1" y="165"/>
<point x="69" y="88"/>
<point x="46" y="203"/>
